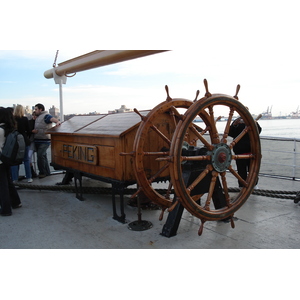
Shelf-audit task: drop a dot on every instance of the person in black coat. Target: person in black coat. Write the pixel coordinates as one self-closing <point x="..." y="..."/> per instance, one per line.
<point x="242" y="147"/>
<point x="9" y="197"/>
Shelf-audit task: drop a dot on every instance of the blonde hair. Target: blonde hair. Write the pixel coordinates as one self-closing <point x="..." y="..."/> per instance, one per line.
<point x="19" y="111"/>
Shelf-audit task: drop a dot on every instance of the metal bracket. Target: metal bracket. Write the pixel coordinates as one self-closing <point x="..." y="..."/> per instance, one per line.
<point x="78" y="188"/>
<point x="118" y="188"/>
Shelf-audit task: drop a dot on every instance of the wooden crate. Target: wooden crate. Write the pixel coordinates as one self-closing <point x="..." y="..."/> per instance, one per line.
<point x="92" y="144"/>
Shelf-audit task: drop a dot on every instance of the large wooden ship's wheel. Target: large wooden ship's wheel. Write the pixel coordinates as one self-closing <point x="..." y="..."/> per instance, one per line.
<point x="219" y="157"/>
<point x="169" y="128"/>
<point x="153" y="140"/>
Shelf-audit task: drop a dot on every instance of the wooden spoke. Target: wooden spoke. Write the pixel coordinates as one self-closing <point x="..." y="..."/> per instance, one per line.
<point x="136" y="193"/>
<point x="211" y="190"/>
<point x="171" y="208"/>
<point x="161" y="134"/>
<point x="226" y="131"/>
<point x="214" y="131"/>
<point x="201" y="138"/>
<point x="199" y="178"/>
<point x="168" y="158"/>
<point x="156" y="153"/>
<point x="166" y="166"/>
<point x="175" y="115"/>
<point x="200" y="230"/>
<point x="175" y="112"/>
<point x="172" y="113"/>
<point x="238" y="138"/>
<point x="225" y="189"/>
<point x="161" y="216"/>
<point x="200" y="131"/>
<point x="243" y="156"/>
<point x="169" y="190"/>
<point x="238" y="176"/>
<point x="196" y="158"/>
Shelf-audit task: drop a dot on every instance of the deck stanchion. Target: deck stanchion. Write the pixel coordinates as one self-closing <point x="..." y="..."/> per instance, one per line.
<point x="139" y="225"/>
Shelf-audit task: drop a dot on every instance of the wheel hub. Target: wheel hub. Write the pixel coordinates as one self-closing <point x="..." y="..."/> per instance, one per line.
<point x="221" y="157"/>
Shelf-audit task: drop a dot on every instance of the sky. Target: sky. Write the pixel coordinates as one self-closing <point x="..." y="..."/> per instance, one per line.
<point x="255" y="45"/>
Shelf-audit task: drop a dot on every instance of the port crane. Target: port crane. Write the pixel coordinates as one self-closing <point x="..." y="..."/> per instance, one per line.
<point x="267" y="114"/>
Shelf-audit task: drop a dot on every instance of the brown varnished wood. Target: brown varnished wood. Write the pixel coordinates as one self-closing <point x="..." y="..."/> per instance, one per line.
<point x="110" y="134"/>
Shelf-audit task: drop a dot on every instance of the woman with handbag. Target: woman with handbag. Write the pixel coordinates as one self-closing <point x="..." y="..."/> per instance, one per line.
<point x="23" y="128"/>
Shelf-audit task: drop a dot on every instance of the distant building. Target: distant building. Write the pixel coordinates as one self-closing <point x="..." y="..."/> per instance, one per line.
<point x="28" y="110"/>
<point x="93" y="113"/>
<point x="122" y="109"/>
<point x="54" y="112"/>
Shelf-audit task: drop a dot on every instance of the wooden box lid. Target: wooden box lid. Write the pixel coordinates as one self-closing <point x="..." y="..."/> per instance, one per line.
<point x="101" y="125"/>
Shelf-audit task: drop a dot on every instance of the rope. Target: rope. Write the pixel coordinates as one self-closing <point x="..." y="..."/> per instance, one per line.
<point x="273" y="194"/>
<point x="270" y="193"/>
<point x="103" y="190"/>
<point x="54" y="63"/>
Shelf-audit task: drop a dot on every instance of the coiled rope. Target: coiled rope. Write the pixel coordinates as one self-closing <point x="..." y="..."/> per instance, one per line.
<point x="131" y="191"/>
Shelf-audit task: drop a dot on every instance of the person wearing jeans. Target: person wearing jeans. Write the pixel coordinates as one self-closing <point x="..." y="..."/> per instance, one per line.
<point x="42" y="140"/>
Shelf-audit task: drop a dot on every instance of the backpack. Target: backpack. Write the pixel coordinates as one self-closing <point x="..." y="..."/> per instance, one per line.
<point x="13" y="150"/>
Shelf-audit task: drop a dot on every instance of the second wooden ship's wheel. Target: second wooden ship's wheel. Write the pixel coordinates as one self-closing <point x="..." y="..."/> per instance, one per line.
<point x="153" y="140"/>
<point x="219" y="157"/>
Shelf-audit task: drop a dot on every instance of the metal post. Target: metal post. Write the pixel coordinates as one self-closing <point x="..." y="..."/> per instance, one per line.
<point x="60" y="80"/>
<point x="294" y="166"/>
<point x="61" y="109"/>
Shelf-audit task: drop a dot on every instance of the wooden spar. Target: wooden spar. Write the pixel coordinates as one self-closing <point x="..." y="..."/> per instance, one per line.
<point x="95" y="59"/>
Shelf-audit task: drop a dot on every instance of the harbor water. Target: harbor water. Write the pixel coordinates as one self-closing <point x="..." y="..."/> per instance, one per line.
<point x="279" y="128"/>
<point x="286" y="128"/>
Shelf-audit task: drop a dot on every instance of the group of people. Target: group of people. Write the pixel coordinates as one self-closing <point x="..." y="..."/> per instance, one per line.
<point x="36" y="139"/>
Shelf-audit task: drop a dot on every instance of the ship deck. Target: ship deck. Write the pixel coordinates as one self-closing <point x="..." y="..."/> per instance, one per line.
<point x="93" y="268"/>
<point x="58" y="220"/>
